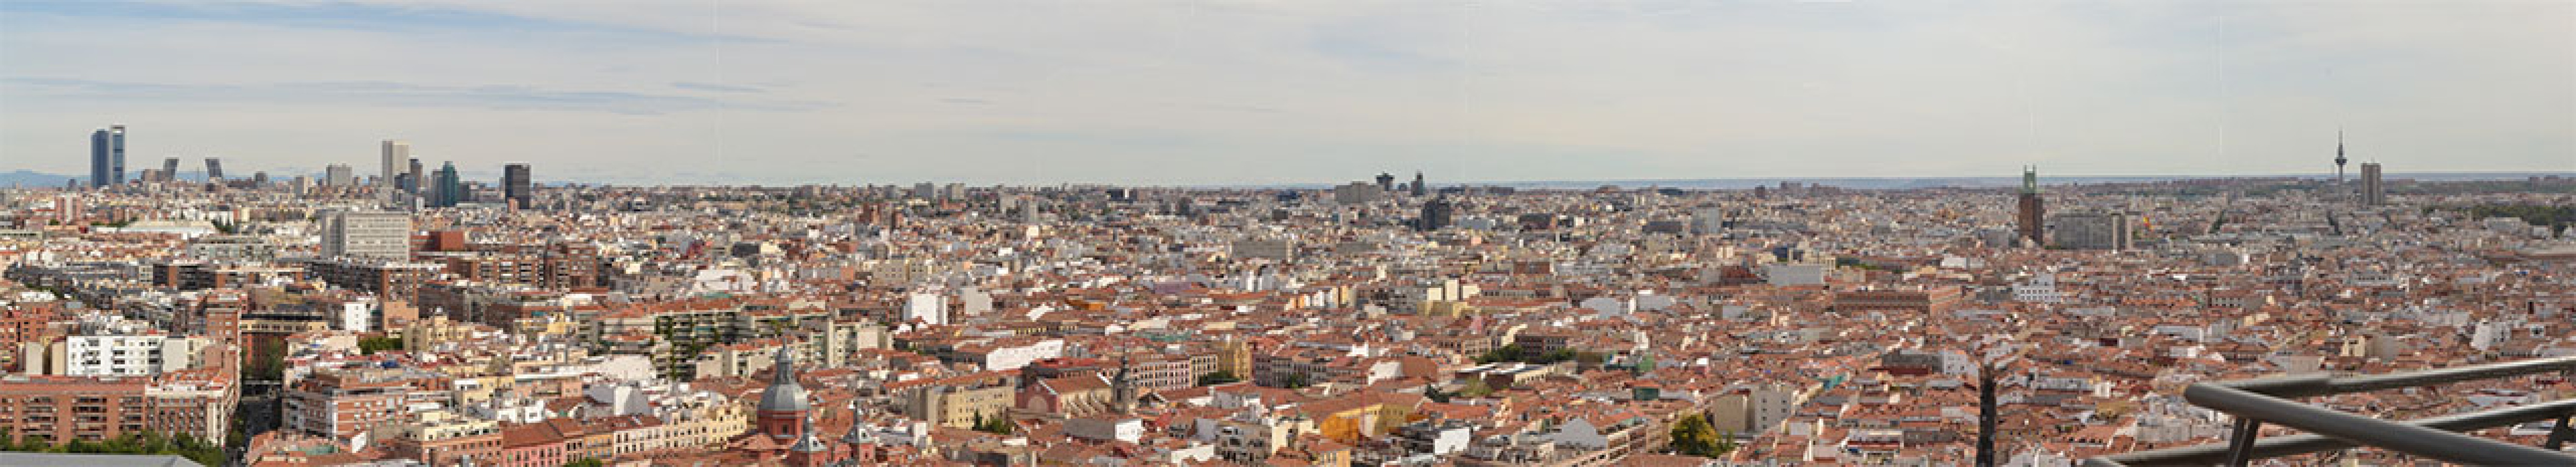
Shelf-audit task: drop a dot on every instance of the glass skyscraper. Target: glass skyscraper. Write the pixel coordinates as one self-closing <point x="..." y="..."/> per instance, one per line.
<point x="107" y="156"/>
<point x="450" y="190"/>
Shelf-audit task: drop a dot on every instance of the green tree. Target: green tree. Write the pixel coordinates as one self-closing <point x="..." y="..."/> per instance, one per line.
<point x="1475" y="388"/>
<point x="1694" y="436"/>
<point x="1218" y="377"/>
<point x="1557" y="356"/>
<point x="372" y="345"/>
<point x="996" y="425"/>
<point x="268" y="363"/>
<point x="1294" y="381"/>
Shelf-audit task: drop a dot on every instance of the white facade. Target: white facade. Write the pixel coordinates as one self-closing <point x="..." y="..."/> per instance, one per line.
<point x="1012" y="358"/>
<point x="397" y="160"/>
<point x="927" y="307"/>
<point x="357" y="315"/>
<point x="380" y="235"/>
<point x="1103" y="428"/>
<point x="1794" y="274"/>
<point x="127" y="355"/>
<point x="2040" y="289"/>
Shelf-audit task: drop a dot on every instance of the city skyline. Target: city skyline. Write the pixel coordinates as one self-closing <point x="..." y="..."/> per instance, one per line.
<point x="1303" y="93"/>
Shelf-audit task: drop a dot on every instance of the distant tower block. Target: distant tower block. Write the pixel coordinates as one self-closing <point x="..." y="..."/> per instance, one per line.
<point x="214" y="169"/>
<point x="170" y="169"/>
<point x="516" y="188"/>
<point x="2373" y="193"/>
<point x="2032" y="213"/>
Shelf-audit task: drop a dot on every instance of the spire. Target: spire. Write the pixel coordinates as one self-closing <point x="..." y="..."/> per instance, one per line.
<point x="783" y="368"/>
<point x="2339" y="159"/>
<point x="807" y="443"/>
<point x="858" y="427"/>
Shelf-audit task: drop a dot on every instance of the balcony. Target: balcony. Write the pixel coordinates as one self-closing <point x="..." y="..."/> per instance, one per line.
<point x="2275" y="400"/>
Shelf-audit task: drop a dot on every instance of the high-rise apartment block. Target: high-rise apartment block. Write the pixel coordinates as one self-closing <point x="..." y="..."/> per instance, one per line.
<point x="2373" y="193"/>
<point x="378" y="235"/>
<point x="339" y="175"/>
<point x="2090" y="231"/>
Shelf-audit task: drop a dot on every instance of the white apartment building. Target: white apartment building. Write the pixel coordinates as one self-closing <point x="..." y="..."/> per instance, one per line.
<point x="2041" y="288"/>
<point x="380" y="235"/>
<point x="124" y="355"/>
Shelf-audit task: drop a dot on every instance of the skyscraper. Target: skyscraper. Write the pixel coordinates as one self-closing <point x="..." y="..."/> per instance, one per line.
<point x="1436" y="214"/>
<point x="107" y="156"/>
<point x="449" y="189"/>
<point x="1419" y="189"/>
<point x="170" y="169"/>
<point x="2031" y="212"/>
<point x="1385" y="181"/>
<point x="214" y="169"/>
<point x="396" y="151"/>
<point x="515" y="186"/>
<point x="2372" y="193"/>
<point x="415" y="182"/>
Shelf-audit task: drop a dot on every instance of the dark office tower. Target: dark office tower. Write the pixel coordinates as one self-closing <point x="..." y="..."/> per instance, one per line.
<point x="1385" y="181"/>
<point x="107" y="156"/>
<point x="1419" y="189"/>
<point x="419" y="180"/>
<point x="170" y="169"/>
<point x="2339" y="160"/>
<point x="515" y="186"/>
<point x="1435" y="215"/>
<point x="259" y="178"/>
<point x="449" y="189"/>
<point x="2031" y="212"/>
<point x="214" y="169"/>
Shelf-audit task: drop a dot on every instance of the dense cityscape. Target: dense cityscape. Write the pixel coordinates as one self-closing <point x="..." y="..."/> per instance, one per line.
<point x="410" y="317"/>
<point x="1287" y="233"/>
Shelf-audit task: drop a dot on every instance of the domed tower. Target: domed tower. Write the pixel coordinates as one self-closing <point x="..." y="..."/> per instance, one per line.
<point x="781" y="414"/>
<point x="1122" y="389"/>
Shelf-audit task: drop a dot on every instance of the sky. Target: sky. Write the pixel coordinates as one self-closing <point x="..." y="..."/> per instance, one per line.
<point x="1302" y="91"/>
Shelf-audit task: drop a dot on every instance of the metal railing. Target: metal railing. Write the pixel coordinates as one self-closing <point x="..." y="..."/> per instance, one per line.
<point x="2255" y="402"/>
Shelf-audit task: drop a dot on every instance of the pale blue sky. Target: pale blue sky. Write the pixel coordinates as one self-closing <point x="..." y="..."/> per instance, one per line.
<point x="1294" y="91"/>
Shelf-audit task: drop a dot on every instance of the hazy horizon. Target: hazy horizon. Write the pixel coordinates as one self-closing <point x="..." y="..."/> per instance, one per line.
<point x="1170" y="93"/>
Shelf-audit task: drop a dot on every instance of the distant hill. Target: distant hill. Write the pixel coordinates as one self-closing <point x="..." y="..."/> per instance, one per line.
<point x="30" y="178"/>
